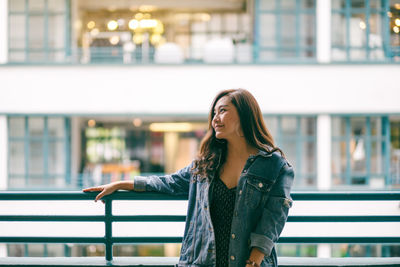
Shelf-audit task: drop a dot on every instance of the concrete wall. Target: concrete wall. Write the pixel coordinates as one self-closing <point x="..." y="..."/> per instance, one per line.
<point x="316" y="89"/>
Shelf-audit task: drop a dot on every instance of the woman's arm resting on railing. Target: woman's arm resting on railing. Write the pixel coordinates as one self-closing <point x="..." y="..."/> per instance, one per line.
<point x="176" y="183"/>
<point x="110" y="188"/>
<point x="173" y="184"/>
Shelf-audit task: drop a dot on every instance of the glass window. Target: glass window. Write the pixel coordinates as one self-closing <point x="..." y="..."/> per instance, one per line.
<point x="17" y="32"/>
<point x="296" y="136"/>
<point x="176" y="31"/>
<point x="38" y="30"/>
<point x="393" y="17"/>
<point x="17" y="127"/>
<point x="394" y="151"/>
<point x="56" y="37"/>
<point x="296" y="250"/>
<point x="56" y="5"/>
<point x="36" y="126"/>
<point x="36" y="5"/>
<point x="56" y="127"/>
<point x="285" y="29"/>
<point x="38" y="152"/>
<point x="17" y="158"/>
<point x="17" y="5"/>
<point x="56" y="159"/>
<point x="36" y="158"/>
<point x="364" y="250"/>
<point x="360" y="151"/>
<point x="360" y="31"/>
<point x="120" y="150"/>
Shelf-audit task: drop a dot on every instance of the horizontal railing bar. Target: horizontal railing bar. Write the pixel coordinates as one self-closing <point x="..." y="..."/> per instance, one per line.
<point x="46" y="195"/>
<point x="92" y="218"/>
<point x="346" y="196"/>
<point x="77" y="240"/>
<point x="52" y="218"/>
<point x="125" y="195"/>
<point x="120" y="240"/>
<point x="319" y="239"/>
<point x="146" y="239"/>
<point x="149" y="218"/>
<point x="182" y="218"/>
<point x="281" y="240"/>
<point x="343" y="239"/>
<point x="344" y="218"/>
<point x="79" y="195"/>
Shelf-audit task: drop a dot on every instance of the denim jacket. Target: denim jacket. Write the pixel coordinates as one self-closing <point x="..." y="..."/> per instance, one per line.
<point x="261" y="209"/>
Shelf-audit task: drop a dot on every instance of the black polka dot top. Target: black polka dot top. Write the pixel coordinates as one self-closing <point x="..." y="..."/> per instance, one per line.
<point x="221" y="209"/>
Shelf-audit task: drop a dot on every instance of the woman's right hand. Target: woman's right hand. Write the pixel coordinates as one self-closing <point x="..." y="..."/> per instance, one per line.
<point x="103" y="189"/>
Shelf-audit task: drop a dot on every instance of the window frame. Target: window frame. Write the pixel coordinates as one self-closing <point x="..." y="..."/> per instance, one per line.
<point x="299" y="139"/>
<point x="45" y="140"/>
<point x="279" y="48"/>
<point x="384" y="140"/>
<point x="27" y="14"/>
<point x="347" y="12"/>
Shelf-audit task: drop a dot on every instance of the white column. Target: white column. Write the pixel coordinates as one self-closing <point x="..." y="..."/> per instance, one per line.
<point x="323" y="22"/>
<point x="324" y="251"/>
<point x="75" y="148"/>
<point x="3" y="153"/>
<point x="324" y="140"/>
<point x="324" y="177"/>
<point x="171" y="141"/>
<point x="3" y="31"/>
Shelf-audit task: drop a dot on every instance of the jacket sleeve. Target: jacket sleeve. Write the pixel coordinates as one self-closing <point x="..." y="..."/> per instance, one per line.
<point x="176" y="183"/>
<point x="275" y="212"/>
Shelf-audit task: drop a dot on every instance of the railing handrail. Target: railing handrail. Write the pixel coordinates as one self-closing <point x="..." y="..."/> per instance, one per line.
<point x="108" y="218"/>
<point x="125" y="195"/>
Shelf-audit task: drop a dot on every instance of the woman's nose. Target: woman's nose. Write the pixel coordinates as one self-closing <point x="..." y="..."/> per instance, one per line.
<point x="216" y="118"/>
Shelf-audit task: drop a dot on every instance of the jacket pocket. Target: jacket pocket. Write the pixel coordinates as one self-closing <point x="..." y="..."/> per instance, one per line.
<point x="256" y="189"/>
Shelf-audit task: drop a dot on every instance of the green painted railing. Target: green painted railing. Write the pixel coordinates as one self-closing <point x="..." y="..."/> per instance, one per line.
<point x="108" y="218"/>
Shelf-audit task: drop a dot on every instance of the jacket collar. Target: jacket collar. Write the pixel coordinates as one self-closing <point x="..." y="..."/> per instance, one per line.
<point x="263" y="153"/>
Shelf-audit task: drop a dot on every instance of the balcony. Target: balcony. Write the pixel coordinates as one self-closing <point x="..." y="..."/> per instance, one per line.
<point x="110" y="238"/>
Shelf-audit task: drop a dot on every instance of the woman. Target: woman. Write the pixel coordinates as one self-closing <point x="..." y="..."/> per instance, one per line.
<point x="238" y="188"/>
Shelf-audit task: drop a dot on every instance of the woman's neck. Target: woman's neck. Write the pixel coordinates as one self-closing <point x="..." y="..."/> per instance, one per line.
<point x="240" y="149"/>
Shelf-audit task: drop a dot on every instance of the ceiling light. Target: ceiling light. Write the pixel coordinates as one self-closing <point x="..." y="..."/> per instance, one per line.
<point x="133" y="24"/>
<point x="91" y="24"/>
<point x="114" y="40"/>
<point x="139" y="16"/>
<point x="148" y="23"/>
<point x="112" y="25"/>
<point x="171" y="127"/>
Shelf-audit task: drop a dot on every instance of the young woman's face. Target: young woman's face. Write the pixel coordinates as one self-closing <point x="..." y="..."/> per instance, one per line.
<point x="226" y="122"/>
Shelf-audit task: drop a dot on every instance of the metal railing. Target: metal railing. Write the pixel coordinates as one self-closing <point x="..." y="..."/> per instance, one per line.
<point x="108" y="218"/>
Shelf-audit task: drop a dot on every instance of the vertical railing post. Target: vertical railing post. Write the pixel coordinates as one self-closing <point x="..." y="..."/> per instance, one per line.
<point x="108" y="232"/>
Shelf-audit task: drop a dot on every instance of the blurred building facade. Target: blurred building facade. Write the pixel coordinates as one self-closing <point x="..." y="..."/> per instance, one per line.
<point x="98" y="91"/>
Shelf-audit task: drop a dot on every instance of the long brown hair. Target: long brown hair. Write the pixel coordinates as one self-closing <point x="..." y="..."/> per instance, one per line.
<point x="213" y="151"/>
